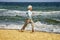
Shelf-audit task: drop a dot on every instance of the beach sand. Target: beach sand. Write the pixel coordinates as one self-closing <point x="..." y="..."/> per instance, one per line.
<point x="27" y="35"/>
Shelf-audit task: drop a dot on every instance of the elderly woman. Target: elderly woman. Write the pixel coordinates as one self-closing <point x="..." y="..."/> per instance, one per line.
<point x="28" y="19"/>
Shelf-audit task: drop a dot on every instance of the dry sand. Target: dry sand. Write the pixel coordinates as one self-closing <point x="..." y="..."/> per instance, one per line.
<point x="27" y="35"/>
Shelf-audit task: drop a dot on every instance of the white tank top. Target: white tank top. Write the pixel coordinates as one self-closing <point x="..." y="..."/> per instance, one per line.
<point x="29" y="14"/>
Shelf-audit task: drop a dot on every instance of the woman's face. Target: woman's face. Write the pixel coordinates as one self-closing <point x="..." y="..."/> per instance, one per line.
<point x="30" y="8"/>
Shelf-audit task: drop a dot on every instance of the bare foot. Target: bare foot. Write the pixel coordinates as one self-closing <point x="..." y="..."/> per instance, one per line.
<point x="21" y="30"/>
<point x="32" y="30"/>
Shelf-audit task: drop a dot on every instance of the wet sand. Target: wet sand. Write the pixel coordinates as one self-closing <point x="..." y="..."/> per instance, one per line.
<point x="27" y="35"/>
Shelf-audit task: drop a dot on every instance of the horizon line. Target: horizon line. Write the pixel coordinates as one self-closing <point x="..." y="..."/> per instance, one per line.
<point x="1" y="1"/>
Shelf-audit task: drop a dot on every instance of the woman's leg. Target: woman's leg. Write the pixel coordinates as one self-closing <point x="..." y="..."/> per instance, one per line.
<point x="24" y="26"/>
<point x="26" y="22"/>
<point x="32" y="24"/>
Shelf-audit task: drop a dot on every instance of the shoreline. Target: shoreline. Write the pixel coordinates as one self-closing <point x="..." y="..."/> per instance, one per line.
<point x="38" y="27"/>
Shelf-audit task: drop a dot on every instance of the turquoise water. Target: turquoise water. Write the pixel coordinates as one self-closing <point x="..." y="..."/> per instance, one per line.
<point x="37" y="6"/>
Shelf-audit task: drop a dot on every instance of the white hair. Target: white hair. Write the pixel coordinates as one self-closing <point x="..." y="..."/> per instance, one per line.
<point x="30" y="6"/>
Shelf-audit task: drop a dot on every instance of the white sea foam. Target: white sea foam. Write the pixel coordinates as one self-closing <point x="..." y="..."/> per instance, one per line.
<point x="6" y="12"/>
<point x="3" y="9"/>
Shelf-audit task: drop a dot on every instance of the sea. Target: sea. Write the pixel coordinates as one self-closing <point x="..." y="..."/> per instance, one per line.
<point x="46" y="15"/>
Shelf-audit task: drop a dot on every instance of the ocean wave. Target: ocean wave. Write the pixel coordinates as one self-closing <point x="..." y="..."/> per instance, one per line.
<point x="35" y="12"/>
<point x="3" y="9"/>
<point x="48" y="14"/>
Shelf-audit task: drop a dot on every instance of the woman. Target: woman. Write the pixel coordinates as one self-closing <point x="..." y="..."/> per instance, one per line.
<point x="28" y="19"/>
